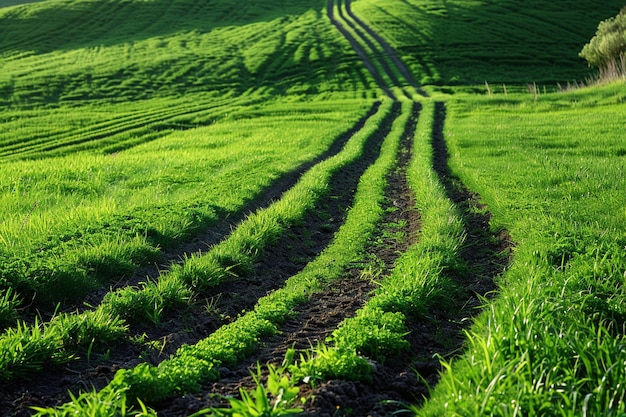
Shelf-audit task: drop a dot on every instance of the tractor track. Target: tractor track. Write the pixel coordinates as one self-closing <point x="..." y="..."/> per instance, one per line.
<point x="189" y="325"/>
<point x="314" y="320"/>
<point x="212" y="235"/>
<point x="389" y="51"/>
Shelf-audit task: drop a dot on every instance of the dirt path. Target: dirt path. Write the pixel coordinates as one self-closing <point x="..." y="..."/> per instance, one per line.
<point x="280" y="260"/>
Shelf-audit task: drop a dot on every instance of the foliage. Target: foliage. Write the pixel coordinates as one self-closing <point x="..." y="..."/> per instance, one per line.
<point x="609" y="42"/>
<point x="108" y="403"/>
<point x="373" y="333"/>
<point x="25" y="349"/>
<point x="276" y="398"/>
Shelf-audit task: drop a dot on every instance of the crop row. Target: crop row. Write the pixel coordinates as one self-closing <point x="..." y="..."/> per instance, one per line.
<point x="233" y="256"/>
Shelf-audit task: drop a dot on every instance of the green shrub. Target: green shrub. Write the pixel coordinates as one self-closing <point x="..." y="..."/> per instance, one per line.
<point x="609" y="43"/>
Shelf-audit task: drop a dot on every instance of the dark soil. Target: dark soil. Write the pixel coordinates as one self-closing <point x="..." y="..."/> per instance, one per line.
<point x="279" y="261"/>
<point x="315" y="320"/>
<point x="485" y="254"/>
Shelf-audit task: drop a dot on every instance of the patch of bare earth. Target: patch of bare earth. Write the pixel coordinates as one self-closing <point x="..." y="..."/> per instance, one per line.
<point x="485" y="254"/>
<point x="280" y="260"/>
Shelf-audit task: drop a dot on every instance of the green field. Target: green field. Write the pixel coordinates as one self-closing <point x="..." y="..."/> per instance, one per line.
<point x="328" y="207"/>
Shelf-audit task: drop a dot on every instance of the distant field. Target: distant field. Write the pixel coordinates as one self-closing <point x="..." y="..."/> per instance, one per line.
<point x="5" y="3"/>
<point x="470" y="42"/>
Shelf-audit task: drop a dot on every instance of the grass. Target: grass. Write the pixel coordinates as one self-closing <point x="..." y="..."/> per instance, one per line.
<point x="468" y="42"/>
<point x="551" y="172"/>
<point x="225" y="260"/>
<point x="90" y="219"/>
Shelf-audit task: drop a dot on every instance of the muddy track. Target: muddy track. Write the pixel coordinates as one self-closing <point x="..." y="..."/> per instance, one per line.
<point x="280" y="260"/>
<point x="217" y="232"/>
<point x="315" y="320"/>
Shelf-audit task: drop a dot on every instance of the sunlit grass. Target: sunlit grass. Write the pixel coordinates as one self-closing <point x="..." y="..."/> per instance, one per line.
<point x="68" y="212"/>
<point x="551" y="171"/>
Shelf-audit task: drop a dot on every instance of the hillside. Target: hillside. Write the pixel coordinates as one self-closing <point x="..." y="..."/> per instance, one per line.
<point x="339" y="207"/>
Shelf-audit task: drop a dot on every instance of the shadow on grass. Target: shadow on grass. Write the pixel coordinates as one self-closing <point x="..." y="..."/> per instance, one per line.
<point x="51" y="26"/>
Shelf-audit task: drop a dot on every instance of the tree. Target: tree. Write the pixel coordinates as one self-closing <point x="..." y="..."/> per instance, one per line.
<point x="608" y="46"/>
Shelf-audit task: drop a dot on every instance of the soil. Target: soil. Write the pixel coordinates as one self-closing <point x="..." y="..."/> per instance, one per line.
<point x="279" y="261"/>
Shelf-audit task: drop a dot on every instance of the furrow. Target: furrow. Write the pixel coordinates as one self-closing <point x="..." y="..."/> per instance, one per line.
<point x="486" y="254"/>
<point x="359" y="51"/>
<point x="202" y="242"/>
<point x="312" y="321"/>
<point x="198" y="325"/>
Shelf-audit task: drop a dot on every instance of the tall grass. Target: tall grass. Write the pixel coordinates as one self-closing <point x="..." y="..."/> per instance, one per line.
<point x="79" y="221"/>
<point x="551" y="171"/>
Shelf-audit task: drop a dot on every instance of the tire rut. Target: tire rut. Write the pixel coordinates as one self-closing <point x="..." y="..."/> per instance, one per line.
<point x="217" y="232"/>
<point x="279" y="261"/>
<point x="359" y="51"/>
<point x="389" y="51"/>
<point x="315" y="319"/>
<point x="486" y="254"/>
<point x="396" y="384"/>
<point x="383" y="49"/>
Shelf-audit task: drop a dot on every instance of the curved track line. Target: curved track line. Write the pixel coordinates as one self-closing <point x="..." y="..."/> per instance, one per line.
<point x="391" y="53"/>
<point x="359" y="51"/>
